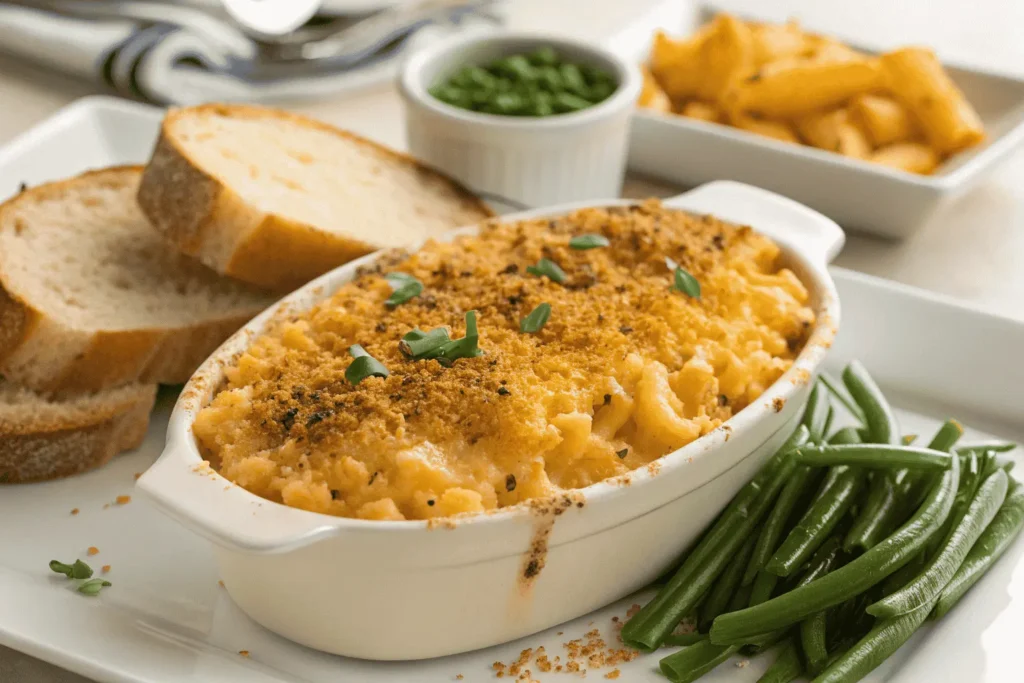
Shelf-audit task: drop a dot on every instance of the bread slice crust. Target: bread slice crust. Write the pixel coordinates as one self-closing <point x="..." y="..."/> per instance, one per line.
<point x="209" y="221"/>
<point x="34" y="448"/>
<point x="49" y="355"/>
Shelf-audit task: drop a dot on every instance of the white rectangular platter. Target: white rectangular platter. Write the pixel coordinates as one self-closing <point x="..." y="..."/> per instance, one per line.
<point x="166" y="618"/>
<point x="691" y="152"/>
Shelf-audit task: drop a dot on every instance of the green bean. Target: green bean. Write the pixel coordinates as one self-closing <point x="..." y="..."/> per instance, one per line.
<point x="873" y="456"/>
<point x="684" y="639"/>
<point x="812" y="641"/>
<point x="741" y="598"/>
<point x="839" y="391"/>
<point x="905" y="574"/>
<point x="846" y="435"/>
<point x="993" y="542"/>
<point x="648" y="627"/>
<point x="835" y="587"/>
<point x="725" y="586"/>
<point x="881" y="641"/>
<point x="775" y="525"/>
<point x="940" y="570"/>
<point x="881" y="515"/>
<point x="881" y="498"/>
<point x="565" y="102"/>
<point x="997" y="446"/>
<point x="786" y="667"/>
<point x="878" y="416"/>
<point x="816" y="413"/>
<point x="828" y="423"/>
<point x="692" y="662"/>
<point x="818" y="522"/>
<point x="762" y="588"/>
<point x="1006" y="464"/>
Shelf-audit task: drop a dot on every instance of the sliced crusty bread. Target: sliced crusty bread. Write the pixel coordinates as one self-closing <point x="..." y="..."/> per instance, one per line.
<point x="92" y="297"/>
<point x="277" y="199"/>
<point x="44" y="438"/>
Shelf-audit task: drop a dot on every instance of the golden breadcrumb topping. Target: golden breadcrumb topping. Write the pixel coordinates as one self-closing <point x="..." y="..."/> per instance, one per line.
<point x="627" y="369"/>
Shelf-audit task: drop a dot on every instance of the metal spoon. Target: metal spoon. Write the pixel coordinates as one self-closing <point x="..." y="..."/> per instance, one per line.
<point x="271" y="17"/>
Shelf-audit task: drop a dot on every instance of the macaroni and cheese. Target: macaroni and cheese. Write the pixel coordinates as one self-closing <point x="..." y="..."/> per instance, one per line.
<point x="628" y="367"/>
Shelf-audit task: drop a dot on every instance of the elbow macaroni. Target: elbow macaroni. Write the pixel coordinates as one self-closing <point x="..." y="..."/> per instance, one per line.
<point x="625" y="371"/>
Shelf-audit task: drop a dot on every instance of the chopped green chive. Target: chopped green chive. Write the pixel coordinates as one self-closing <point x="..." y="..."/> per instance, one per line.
<point x="684" y="282"/>
<point x="583" y="242"/>
<point x="537" y="319"/>
<point x="405" y="287"/>
<point x="61" y="568"/>
<point x="420" y="345"/>
<point x="549" y="269"/>
<point x="363" y="365"/>
<point x="93" y="586"/>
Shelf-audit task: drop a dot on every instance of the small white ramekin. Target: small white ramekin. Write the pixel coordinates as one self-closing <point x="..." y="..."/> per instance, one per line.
<point x="531" y="161"/>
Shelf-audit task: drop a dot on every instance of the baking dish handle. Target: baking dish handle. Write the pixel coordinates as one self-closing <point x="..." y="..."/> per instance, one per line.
<point x="186" y="489"/>
<point x="812" y="234"/>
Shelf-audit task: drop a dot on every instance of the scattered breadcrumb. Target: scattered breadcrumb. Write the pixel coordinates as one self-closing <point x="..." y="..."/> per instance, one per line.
<point x="244" y="653"/>
<point x="137" y="475"/>
<point x="93" y="550"/>
<point x="220" y="583"/>
<point x="591" y="651"/>
<point x="632" y="610"/>
<point x="106" y="568"/>
<point x="459" y="677"/>
<point x="74" y="511"/>
<point x="106" y="505"/>
<point x="123" y="500"/>
<point x="742" y="664"/>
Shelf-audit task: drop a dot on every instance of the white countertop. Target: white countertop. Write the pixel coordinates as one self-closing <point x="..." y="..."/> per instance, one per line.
<point x="974" y="250"/>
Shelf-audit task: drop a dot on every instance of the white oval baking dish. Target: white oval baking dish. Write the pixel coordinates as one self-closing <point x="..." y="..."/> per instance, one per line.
<point x="411" y="589"/>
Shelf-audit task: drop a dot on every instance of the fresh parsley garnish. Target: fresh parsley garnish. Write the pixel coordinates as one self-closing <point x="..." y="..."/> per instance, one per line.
<point x="78" y="570"/>
<point x="405" y="287"/>
<point x="683" y="281"/>
<point x="583" y="242"/>
<point x="436" y="344"/>
<point x="363" y="365"/>
<point x="93" y="586"/>
<point x="537" y="318"/>
<point x="549" y="269"/>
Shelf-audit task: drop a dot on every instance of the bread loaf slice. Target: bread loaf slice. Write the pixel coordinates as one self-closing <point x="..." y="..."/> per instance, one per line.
<point x="45" y="438"/>
<point x="277" y="199"/>
<point x="92" y="297"/>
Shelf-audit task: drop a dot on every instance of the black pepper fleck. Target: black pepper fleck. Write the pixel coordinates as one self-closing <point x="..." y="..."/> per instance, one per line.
<point x="335" y="493"/>
<point x="430" y="502"/>
<point x="510" y="483"/>
<point x="373" y="477"/>
<point x="623" y="453"/>
<point x="502" y="391"/>
<point x="625" y="329"/>
<point x="607" y="399"/>
<point x="288" y="421"/>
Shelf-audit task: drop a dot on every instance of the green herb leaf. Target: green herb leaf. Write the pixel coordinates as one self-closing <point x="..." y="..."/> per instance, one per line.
<point x="420" y="345"/>
<point x="405" y="287"/>
<point x="582" y="242"/>
<point x="80" y="570"/>
<point x="684" y="282"/>
<point x="364" y="365"/>
<point x="537" y="318"/>
<point x="60" y="568"/>
<point x="549" y="269"/>
<point x="93" y="586"/>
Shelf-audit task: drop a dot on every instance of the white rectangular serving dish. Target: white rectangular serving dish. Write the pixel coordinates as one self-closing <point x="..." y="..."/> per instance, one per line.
<point x="167" y="619"/>
<point x="857" y="194"/>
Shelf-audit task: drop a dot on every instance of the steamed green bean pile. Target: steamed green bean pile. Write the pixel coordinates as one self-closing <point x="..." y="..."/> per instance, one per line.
<point x="839" y="548"/>
<point x="537" y="83"/>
